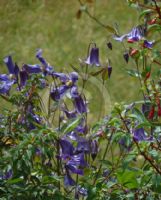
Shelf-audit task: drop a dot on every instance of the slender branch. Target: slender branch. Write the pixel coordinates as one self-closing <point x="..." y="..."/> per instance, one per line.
<point x="146" y="157"/>
<point x="104" y="155"/>
<point x="92" y="17"/>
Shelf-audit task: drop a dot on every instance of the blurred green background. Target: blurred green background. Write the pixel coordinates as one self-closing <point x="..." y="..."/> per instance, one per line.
<point x="26" y="25"/>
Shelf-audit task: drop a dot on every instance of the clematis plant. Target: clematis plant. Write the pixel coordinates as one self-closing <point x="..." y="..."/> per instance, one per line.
<point x="49" y="147"/>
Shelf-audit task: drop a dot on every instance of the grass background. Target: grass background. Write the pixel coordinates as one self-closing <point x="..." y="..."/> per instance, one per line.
<point x="26" y="25"/>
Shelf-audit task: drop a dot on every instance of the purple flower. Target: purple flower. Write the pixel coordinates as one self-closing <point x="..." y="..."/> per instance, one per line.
<point x="73" y="76"/>
<point x="109" y="71"/>
<point x="68" y="84"/>
<point x="148" y="44"/>
<point x="80" y="104"/>
<point x="23" y="78"/>
<point x="136" y="34"/>
<point x="83" y="146"/>
<point x="139" y="135"/>
<point x="7" y="175"/>
<point x="46" y="67"/>
<point x="67" y="147"/>
<point x="57" y="93"/>
<point x="94" y="149"/>
<point x="5" y="86"/>
<point x="33" y="118"/>
<point x="109" y="45"/>
<point x="62" y="77"/>
<point x="126" y="56"/>
<point x="74" y="92"/>
<point x="93" y="58"/>
<point x="74" y="162"/>
<point x="73" y="135"/>
<point x="32" y="68"/>
<point x="70" y="114"/>
<point x="11" y="67"/>
<point x="82" y="190"/>
<point x="68" y="181"/>
<point x="4" y="77"/>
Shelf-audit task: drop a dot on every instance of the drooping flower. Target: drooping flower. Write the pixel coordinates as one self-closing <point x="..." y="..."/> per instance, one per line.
<point x="139" y="135"/>
<point x="58" y="93"/>
<point x="46" y="68"/>
<point x="5" y="86"/>
<point x="7" y="175"/>
<point x="148" y="44"/>
<point x="31" y="68"/>
<point x="94" y="149"/>
<point x="68" y="181"/>
<point x="12" y="68"/>
<point x="83" y="145"/>
<point x="67" y="147"/>
<point x="109" y="68"/>
<point x="73" y="162"/>
<point x="136" y="34"/>
<point x="93" y="58"/>
<point x="126" y="56"/>
<point x="80" y="104"/>
<point x="109" y="45"/>
<point x="23" y="78"/>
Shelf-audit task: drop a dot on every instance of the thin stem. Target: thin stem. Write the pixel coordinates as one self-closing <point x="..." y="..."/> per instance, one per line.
<point x="137" y="66"/>
<point x="104" y="155"/>
<point x="92" y="17"/>
<point x="146" y="157"/>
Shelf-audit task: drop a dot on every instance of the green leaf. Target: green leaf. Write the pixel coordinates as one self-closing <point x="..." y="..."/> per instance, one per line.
<point x="154" y="27"/>
<point x="144" y="12"/>
<point x="71" y="126"/>
<point x="14" y="181"/>
<point x="96" y="73"/>
<point x="111" y="29"/>
<point x="104" y="75"/>
<point x="128" y="179"/>
<point x="106" y="162"/>
<point x="140" y="117"/>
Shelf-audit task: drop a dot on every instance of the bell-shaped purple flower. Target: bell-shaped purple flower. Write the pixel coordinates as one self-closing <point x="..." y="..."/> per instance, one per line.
<point x="126" y="56"/>
<point x="32" y="68"/>
<point x="57" y="93"/>
<point x="5" y="86"/>
<point x="67" y="147"/>
<point x="46" y="67"/>
<point x="109" y="68"/>
<point x="148" y="44"/>
<point x="73" y="135"/>
<point x="62" y="77"/>
<point x="70" y="114"/>
<point x="76" y="163"/>
<point x="8" y="61"/>
<point x="139" y="135"/>
<point x="136" y="34"/>
<point x="94" y="149"/>
<point x="80" y="105"/>
<point x="82" y="190"/>
<point x="23" y="78"/>
<point x="73" y="76"/>
<point x="7" y="175"/>
<point x="93" y="58"/>
<point x="4" y="77"/>
<point x="68" y="181"/>
<point x="83" y="146"/>
<point x="109" y="45"/>
<point x="74" y="92"/>
<point x="41" y="59"/>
